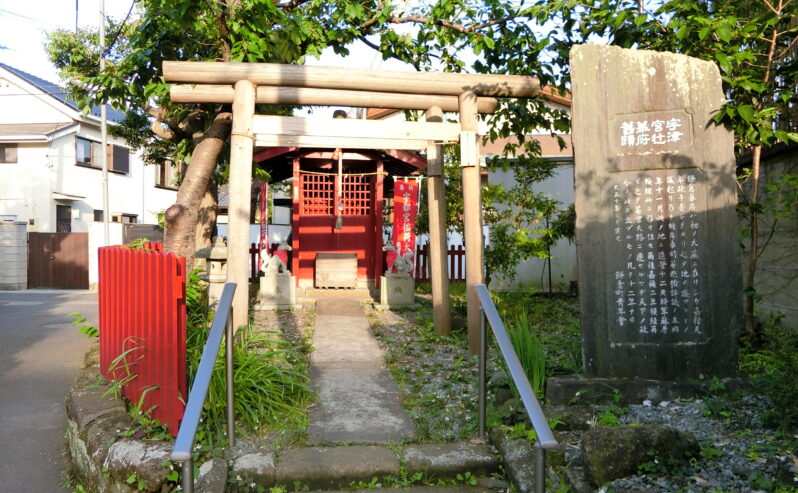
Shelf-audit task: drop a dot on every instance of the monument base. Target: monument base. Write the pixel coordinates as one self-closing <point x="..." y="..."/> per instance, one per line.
<point x="397" y="291"/>
<point x="578" y="389"/>
<point x="277" y="292"/>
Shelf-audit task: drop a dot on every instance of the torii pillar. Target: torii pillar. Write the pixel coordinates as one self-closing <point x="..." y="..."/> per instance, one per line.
<point x="436" y="202"/>
<point x="242" y="143"/>
<point x="472" y="212"/>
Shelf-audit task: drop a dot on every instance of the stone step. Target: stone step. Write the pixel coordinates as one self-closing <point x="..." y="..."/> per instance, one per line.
<point x="423" y="489"/>
<point x="313" y="293"/>
<point x="352" y="466"/>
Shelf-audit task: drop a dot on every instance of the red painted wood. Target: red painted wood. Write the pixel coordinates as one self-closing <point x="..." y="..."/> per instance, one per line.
<point x="379" y="201"/>
<point x="143" y="328"/>
<point x="295" y="198"/>
<point x="315" y="219"/>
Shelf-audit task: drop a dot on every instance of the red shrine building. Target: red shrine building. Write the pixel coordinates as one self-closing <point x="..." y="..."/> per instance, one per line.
<point x="338" y="199"/>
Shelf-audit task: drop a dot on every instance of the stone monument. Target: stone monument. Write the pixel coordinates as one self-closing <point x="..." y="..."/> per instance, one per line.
<point x="656" y="229"/>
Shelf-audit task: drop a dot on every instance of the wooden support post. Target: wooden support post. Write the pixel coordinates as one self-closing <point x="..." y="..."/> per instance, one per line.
<point x="240" y="184"/>
<point x="379" y="203"/>
<point x="296" y="187"/>
<point x="472" y="211"/>
<point x="436" y="201"/>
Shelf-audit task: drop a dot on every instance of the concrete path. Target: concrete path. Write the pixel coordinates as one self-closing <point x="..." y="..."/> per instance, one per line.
<point x="358" y="402"/>
<point x="40" y="353"/>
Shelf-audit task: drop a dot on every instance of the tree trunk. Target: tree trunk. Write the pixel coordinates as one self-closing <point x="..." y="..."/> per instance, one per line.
<point x="206" y="220"/>
<point x="182" y="217"/>
<point x="753" y="247"/>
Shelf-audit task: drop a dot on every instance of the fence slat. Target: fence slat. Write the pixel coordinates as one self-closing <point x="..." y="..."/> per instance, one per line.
<point x="143" y="311"/>
<point x="456" y="262"/>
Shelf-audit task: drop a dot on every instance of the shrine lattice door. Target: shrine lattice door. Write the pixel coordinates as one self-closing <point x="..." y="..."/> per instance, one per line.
<point x="317" y="220"/>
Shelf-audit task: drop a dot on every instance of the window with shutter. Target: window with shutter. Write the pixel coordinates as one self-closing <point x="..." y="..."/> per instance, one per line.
<point x="118" y="159"/>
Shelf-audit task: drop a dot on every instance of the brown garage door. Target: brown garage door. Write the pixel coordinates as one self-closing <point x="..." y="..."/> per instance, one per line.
<point x="58" y="260"/>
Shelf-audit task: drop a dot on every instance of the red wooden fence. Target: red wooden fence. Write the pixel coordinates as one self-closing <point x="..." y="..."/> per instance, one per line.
<point x="143" y="328"/>
<point x="456" y="256"/>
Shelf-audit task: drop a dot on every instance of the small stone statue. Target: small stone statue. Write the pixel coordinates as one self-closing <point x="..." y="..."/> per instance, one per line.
<point x="278" y="262"/>
<point x="390" y="257"/>
<point x="404" y="264"/>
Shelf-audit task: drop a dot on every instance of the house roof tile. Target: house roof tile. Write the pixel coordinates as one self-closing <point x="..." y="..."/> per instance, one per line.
<point x="59" y="93"/>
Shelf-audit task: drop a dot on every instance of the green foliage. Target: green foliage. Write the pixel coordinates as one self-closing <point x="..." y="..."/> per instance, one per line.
<point x="711" y="452"/>
<point x="564" y="226"/>
<point x="136" y="482"/>
<point x="530" y="351"/>
<point x="138" y="244"/>
<point x="772" y="365"/>
<point x="88" y="330"/>
<point x="660" y="466"/>
<point x="555" y="318"/>
<point x="270" y="376"/>
<point x="520" y="430"/>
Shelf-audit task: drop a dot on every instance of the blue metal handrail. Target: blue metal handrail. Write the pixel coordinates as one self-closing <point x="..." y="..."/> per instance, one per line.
<point x="222" y="324"/>
<point x="545" y="437"/>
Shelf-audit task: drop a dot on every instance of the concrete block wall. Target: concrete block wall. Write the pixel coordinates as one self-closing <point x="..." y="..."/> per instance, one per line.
<point x="13" y="256"/>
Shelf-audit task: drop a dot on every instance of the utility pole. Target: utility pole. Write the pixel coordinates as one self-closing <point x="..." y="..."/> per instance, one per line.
<point x="104" y="136"/>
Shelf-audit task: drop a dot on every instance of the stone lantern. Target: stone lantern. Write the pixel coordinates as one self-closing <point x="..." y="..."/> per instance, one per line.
<point x="215" y="268"/>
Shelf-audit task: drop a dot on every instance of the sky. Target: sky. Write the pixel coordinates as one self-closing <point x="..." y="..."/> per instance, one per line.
<point x="23" y="27"/>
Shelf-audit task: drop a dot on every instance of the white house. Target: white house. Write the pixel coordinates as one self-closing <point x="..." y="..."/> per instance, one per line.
<point x="52" y="178"/>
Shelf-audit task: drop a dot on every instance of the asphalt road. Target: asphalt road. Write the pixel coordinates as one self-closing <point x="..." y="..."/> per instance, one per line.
<point x="40" y="354"/>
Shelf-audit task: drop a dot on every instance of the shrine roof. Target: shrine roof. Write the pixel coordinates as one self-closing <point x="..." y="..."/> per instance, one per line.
<point x="278" y="161"/>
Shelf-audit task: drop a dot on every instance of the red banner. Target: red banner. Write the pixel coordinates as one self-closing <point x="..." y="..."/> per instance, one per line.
<point x="263" y="241"/>
<point x="405" y="209"/>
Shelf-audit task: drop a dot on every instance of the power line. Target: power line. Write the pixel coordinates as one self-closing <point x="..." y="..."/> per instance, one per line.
<point x="38" y="21"/>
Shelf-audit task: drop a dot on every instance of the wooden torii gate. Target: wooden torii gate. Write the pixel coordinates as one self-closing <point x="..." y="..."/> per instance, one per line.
<point x="247" y="84"/>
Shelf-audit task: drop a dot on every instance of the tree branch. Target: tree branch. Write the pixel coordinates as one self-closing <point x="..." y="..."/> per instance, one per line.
<point x="159" y="130"/>
<point x="292" y="4"/>
<point x="417" y="19"/>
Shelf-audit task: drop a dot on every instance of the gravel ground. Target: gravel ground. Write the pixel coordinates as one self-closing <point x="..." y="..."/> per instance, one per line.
<point x="294" y="325"/>
<point x="438" y="376"/>
<point x="738" y="453"/>
<point x="438" y="381"/>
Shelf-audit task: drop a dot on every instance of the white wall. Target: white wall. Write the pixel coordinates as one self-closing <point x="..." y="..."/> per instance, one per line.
<point x="533" y="273"/>
<point x="43" y="169"/>
<point x="18" y="105"/>
<point x="96" y="236"/>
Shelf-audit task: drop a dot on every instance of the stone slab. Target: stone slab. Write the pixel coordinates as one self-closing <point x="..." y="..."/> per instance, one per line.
<point x="568" y="389"/>
<point x="84" y="405"/>
<point x="397" y="291"/>
<point x="356" y="405"/>
<point x="358" y="402"/>
<point x="656" y="227"/>
<point x="277" y="291"/>
<point x="324" y="467"/>
<point x="212" y="477"/>
<point x="258" y="467"/>
<point x="446" y="460"/>
<point x="426" y="489"/>
<point x="519" y="459"/>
